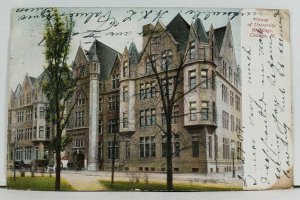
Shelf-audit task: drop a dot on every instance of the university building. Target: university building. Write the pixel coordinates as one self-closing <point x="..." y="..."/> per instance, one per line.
<point x="117" y="99"/>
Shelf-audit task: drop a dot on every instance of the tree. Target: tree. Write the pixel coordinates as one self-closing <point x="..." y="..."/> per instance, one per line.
<point x="58" y="84"/>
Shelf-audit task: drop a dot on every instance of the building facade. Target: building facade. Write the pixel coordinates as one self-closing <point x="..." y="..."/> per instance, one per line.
<point x="118" y="111"/>
<point x="28" y="132"/>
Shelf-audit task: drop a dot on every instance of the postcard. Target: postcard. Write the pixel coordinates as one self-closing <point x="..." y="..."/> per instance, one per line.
<point x="149" y="99"/>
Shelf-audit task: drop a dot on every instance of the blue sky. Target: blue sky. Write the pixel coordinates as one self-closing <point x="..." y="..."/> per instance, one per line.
<point x="26" y="55"/>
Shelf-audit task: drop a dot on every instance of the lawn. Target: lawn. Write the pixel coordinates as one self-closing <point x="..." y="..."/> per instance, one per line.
<point x="36" y="183"/>
<point x="159" y="186"/>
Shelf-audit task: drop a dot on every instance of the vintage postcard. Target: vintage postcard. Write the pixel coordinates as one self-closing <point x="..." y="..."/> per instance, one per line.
<point x="149" y="99"/>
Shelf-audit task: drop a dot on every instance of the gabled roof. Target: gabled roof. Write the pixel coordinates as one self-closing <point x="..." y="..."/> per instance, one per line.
<point x="106" y="56"/>
<point x="133" y="54"/>
<point x="219" y="36"/>
<point x="179" y="29"/>
<point x="201" y="33"/>
<point x="32" y="79"/>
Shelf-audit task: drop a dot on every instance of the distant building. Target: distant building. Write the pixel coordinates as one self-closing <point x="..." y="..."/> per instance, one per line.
<point x="28" y="132"/>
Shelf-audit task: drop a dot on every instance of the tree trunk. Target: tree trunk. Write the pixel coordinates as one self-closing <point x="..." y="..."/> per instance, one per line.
<point x="169" y="154"/>
<point x="58" y="160"/>
<point x="113" y="160"/>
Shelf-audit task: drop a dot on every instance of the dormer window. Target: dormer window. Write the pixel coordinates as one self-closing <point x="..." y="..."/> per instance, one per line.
<point x="125" y="69"/>
<point x="192" y="49"/>
<point x="155" y="40"/>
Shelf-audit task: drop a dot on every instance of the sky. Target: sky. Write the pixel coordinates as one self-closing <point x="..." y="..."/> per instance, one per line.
<point x="115" y="27"/>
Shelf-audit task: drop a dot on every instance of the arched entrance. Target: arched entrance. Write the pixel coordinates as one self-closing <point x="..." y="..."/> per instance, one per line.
<point x="78" y="160"/>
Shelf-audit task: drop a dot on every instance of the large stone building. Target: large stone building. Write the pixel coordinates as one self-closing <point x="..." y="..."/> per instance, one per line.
<point x="28" y="132"/>
<point x="117" y="98"/>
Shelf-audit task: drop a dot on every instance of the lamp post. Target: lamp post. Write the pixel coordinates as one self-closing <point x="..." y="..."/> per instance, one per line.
<point x="233" y="155"/>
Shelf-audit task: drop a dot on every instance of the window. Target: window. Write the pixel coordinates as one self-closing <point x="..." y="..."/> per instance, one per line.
<point x="42" y="112"/>
<point x="192" y="49"/>
<point x="148" y="91"/>
<point x="224" y="69"/>
<point x="204" y="78"/>
<point x="195" y="146"/>
<point x="166" y="62"/>
<point x="113" y="103"/>
<point x="28" y="152"/>
<point x="155" y="40"/>
<point x="125" y="93"/>
<point x="100" y="151"/>
<point x="20" y="116"/>
<point x="112" y="126"/>
<point x="175" y="146"/>
<point x="78" y="143"/>
<point x="209" y="146"/>
<point x="22" y="100"/>
<point x="149" y="69"/>
<point x="231" y="99"/>
<point x="224" y="93"/>
<point x="125" y="120"/>
<point x="41" y="132"/>
<point x="142" y="91"/>
<point x="175" y="117"/>
<point x="236" y="80"/>
<point x="193" y="111"/>
<point x="100" y="127"/>
<point x="237" y="103"/>
<point x="19" y="135"/>
<point x="28" y="98"/>
<point x="225" y="119"/>
<point x="127" y="149"/>
<point x="79" y="119"/>
<point x="167" y="88"/>
<point x="147" y="147"/>
<point x="116" y="152"/>
<point x="48" y="132"/>
<point x="153" y="89"/>
<point x="101" y="105"/>
<point x="28" y="115"/>
<point x="226" y="148"/>
<point x="230" y="74"/>
<point x="163" y="117"/>
<point x="202" y="54"/>
<point x="115" y="81"/>
<point x="80" y="98"/>
<point x="192" y="79"/>
<point x="125" y="68"/>
<point x="204" y="110"/>
<point x="148" y="117"/>
<point x="19" y="153"/>
<point x="232" y="127"/>
<point x="239" y="150"/>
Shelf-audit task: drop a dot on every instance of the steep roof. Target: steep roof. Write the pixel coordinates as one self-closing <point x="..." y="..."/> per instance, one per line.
<point x="179" y="29"/>
<point x="201" y="33"/>
<point x="32" y="79"/>
<point x="219" y="36"/>
<point x="105" y="54"/>
<point x="133" y="54"/>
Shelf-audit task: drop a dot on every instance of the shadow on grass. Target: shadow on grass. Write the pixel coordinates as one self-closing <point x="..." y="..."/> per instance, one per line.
<point x="37" y="183"/>
<point x="157" y="186"/>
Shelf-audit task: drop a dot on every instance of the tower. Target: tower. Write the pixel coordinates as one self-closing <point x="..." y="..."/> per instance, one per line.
<point x="93" y="163"/>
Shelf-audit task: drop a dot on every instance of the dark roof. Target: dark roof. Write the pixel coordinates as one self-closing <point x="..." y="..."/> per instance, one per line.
<point x="32" y="79"/>
<point x="179" y="29"/>
<point x="133" y="54"/>
<point x="201" y="33"/>
<point x="105" y="54"/>
<point x="219" y="36"/>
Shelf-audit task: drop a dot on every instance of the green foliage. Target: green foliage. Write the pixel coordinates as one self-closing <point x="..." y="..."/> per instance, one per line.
<point x="36" y="183"/>
<point x="161" y="186"/>
<point x="65" y="141"/>
<point x="58" y="83"/>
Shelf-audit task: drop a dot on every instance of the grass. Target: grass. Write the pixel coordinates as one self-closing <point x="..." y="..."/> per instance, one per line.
<point x="159" y="186"/>
<point x="37" y="183"/>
